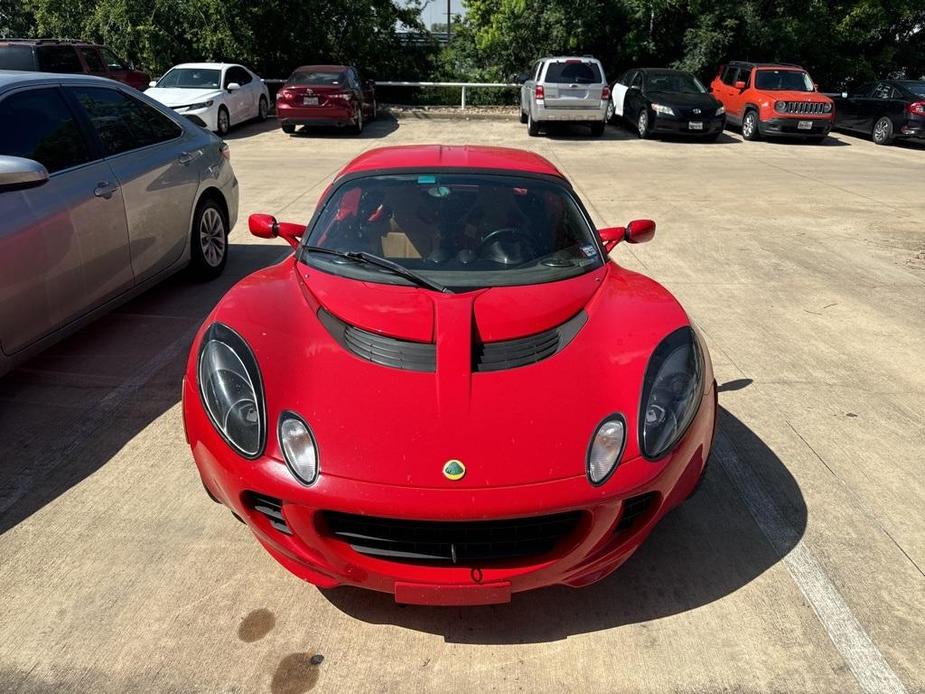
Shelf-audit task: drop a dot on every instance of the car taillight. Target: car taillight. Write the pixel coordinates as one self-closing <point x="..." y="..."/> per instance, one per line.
<point x="605" y="93"/>
<point x="284" y="94"/>
<point x="917" y="108"/>
<point x="225" y="151"/>
<point x="540" y="92"/>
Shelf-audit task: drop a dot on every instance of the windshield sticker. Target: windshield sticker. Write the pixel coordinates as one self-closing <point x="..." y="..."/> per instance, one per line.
<point x="588" y="250"/>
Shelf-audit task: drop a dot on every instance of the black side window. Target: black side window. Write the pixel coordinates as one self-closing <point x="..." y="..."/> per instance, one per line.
<point x="883" y="91"/>
<point x="625" y="79"/>
<point x="58" y="59"/>
<point x="122" y="122"/>
<point x="237" y="74"/>
<point x="729" y="75"/>
<point x="244" y="77"/>
<point x="637" y="80"/>
<point x="13" y="57"/>
<point x="864" y="90"/>
<point x="92" y="59"/>
<point x="38" y="125"/>
<point x="113" y="62"/>
<point x="745" y="75"/>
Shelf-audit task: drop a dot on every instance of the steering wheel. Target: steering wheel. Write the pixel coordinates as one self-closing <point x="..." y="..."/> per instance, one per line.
<point x="508" y="231"/>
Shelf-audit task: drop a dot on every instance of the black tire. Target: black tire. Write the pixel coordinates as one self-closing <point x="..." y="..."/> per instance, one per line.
<point x="642" y="125"/>
<point x="375" y="110"/>
<point x="288" y="128"/>
<point x="882" y="134"/>
<point x="208" y="241"/>
<point x="750" y="126"/>
<point x="597" y="129"/>
<point x="263" y="109"/>
<point x="533" y="128"/>
<point x="223" y="124"/>
<point x="523" y="118"/>
<point x="358" y="120"/>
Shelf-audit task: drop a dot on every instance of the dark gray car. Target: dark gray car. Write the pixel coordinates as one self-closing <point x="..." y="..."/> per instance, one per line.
<point x="103" y="193"/>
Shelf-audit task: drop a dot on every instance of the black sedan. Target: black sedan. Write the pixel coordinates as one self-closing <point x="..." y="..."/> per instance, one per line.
<point x="657" y="100"/>
<point x="885" y="110"/>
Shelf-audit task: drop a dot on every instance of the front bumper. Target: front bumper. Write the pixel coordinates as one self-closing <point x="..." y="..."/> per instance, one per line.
<point x="596" y="547"/>
<point x="790" y="127"/>
<point x="204" y="117"/>
<point x="670" y="125"/>
<point x="542" y="114"/>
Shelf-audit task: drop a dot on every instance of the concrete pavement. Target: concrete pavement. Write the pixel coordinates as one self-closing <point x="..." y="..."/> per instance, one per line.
<point x="797" y="567"/>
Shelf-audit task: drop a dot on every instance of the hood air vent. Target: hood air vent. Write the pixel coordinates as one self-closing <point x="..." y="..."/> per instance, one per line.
<point x="387" y="351"/>
<point x="509" y="354"/>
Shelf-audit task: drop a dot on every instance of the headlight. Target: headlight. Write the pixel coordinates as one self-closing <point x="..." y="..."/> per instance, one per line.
<point x="671" y="392"/>
<point x="299" y="449"/>
<point x="231" y="390"/>
<point x="780" y="106"/>
<point x="204" y="104"/>
<point x="721" y="110"/>
<point x="827" y="108"/>
<point x="664" y="110"/>
<point x="606" y="449"/>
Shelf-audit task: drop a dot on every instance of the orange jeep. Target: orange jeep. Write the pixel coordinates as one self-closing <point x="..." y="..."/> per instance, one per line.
<point x="773" y="99"/>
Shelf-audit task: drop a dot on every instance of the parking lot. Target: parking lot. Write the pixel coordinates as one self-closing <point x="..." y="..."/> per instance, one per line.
<point x="797" y="566"/>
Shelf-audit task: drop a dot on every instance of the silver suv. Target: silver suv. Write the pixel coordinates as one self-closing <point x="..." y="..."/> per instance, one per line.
<point x="564" y="90"/>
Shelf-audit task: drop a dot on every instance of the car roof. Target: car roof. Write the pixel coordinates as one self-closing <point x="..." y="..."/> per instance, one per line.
<point x="745" y="63"/>
<point x="572" y="57"/>
<point x="9" y="78"/>
<point x="206" y="66"/>
<point x="450" y="156"/>
<point x="324" y="68"/>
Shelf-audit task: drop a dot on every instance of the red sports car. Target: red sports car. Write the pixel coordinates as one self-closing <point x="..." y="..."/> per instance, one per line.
<point x="449" y="392"/>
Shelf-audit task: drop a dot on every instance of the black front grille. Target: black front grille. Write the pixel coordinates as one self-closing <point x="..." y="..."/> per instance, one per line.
<point x="379" y="349"/>
<point x="635" y="509"/>
<point x="509" y="354"/>
<point x="451" y="542"/>
<point x="800" y="107"/>
<point x="271" y="508"/>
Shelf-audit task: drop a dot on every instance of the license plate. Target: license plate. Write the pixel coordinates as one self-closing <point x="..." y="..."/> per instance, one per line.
<point x="805" y="125"/>
<point x="695" y="125"/>
<point x="309" y="100"/>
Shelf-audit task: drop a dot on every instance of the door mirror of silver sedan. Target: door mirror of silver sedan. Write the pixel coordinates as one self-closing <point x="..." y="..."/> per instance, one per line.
<point x="233" y="86"/>
<point x="16" y="172"/>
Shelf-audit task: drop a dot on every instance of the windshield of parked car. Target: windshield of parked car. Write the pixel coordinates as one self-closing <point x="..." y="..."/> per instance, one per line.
<point x="573" y="72"/>
<point x="917" y="87"/>
<point x="460" y="230"/>
<point x="674" y="82"/>
<point x="783" y="81"/>
<point x="191" y="78"/>
<point x="318" y="77"/>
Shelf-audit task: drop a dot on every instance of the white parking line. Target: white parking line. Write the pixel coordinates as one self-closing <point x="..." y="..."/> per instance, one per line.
<point x="864" y="659"/>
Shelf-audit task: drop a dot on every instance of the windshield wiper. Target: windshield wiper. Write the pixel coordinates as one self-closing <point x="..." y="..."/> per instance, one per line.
<point x="384" y="263"/>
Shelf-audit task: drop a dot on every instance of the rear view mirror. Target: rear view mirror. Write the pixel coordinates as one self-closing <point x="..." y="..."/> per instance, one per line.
<point x="233" y="86"/>
<point x="640" y="231"/>
<point x="265" y="226"/>
<point x="152" y="83"/>
<point x="17" y="172"/>
<point x="740" y="85"/>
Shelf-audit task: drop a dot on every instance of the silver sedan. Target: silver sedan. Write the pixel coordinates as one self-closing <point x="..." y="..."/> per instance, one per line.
<point x="103" y="193"/>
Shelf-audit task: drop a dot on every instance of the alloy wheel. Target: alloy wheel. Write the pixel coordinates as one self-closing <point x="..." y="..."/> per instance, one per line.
<point x="643" y="123"/>
<point x="881" y="131"/>
<point x="212" y="237"/>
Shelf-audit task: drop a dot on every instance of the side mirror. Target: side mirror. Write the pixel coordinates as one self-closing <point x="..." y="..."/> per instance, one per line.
<point x="611" y="236"/>
<point x="640" y="231"/>
<point x="17" y="172"/>
<point x="152" y="83"/>
<point x="265" y="226"/>
<point x="740" y="85"/>
<point x="815" y="87"/>
<point x="233" y="86"/>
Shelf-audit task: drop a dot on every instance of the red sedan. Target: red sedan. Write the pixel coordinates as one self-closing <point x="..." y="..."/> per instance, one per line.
<point x="326" y="95"/>
<point x="449" y="392"/>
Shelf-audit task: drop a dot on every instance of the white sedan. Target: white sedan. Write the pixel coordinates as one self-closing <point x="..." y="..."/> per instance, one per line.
<point x="213" y="95"/>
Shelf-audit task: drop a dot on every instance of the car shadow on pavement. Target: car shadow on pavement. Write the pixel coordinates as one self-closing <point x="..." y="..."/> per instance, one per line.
<point x="709" y="547"/>
<point x="383" y="126"/>
<point x="65" y="413"/>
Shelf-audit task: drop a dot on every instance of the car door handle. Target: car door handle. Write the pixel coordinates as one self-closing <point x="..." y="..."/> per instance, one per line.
<point x="186" y="157"/>
<point x="105" y="189"/>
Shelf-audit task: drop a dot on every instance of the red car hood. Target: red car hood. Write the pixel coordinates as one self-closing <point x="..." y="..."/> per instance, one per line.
<point x="395" y="426"/>
<point x="813" y="97"/>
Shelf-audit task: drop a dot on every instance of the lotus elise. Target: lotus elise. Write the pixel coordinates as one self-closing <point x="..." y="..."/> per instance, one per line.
<point x="449" y="392"/>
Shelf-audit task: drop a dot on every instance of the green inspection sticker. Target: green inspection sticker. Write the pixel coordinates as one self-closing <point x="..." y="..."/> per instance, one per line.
<point x="427" y="179"/>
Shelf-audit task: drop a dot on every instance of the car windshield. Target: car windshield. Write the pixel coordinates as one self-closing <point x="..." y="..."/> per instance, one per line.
<point x="460" y="230"/>
<point x="573" y="72"/>
<point x="318" y="77"/>
<point x="674" y="82"/>
<point x="191" y="78"/>
<point x="783" y="81"/>
<point x="917" y="87"/>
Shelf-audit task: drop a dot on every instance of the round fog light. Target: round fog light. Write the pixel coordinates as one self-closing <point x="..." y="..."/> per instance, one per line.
<point x="298" y="445"/>
<point x="606" y="448"/>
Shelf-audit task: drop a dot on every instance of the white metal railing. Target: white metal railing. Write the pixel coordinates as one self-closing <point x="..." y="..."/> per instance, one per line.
<point x="463" y="86"/>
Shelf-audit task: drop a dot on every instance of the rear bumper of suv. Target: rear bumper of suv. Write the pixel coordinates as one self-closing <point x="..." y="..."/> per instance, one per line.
<point x="544" y="114"/>
<point x="791" y="127"/>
